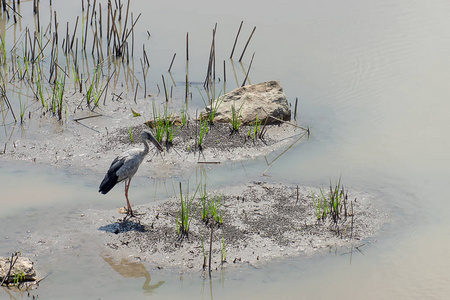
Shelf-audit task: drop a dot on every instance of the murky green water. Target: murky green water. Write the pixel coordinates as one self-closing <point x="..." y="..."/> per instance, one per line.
<point x="371" y="78"/>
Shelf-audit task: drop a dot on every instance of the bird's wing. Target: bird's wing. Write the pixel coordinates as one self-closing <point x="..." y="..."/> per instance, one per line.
<point x="130" y="165"/>
<point x="111" y="178"/>
<point x="116" y="164"/>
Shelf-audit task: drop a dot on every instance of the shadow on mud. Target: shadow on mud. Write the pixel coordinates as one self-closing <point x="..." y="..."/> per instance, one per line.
<point x="123" y="226"/>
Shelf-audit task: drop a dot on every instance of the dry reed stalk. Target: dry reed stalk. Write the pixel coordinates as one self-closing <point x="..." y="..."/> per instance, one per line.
<point x="270" y="164"/>
<point x="106" y="86"/>
<point x="234" y="72"/>
<point x="93" y="11"/>
<point x="248" y="70"/>
<point x="224" y="73"/>
<point x="165" y="89"/>
<point x="248" y="41"/>
<point x="187" y="69"/>
<point x="100" y="20"/>
<point x="38" y="20"/>
<point x="74" y="32"/>
<point x="128" y="34"/>
<point x="295" y="109"/>
<point x="108" y="30"/>
<point x="186" y="91"/>
<point x="209" y="72"/>
<point x="144" y="53"/>
<point x="235" y="41"/>
<point x="88" y="117"/>
<point x="112" y="29"/>
<point x="210" y="249"/>
<point x="187" y="46"/>
<point x="5" y="98"/>
<point x="144" y="74"/>
<point x="171" y="63"/>
<point x="126" y="20"/>
<point x="14" y="10"/>
<point x="67" y="39"/>
<point x="86" y="29"/>
<point x="132" y="38"/>
<point x="94" y="41"/>
<point x="120" y="11"/>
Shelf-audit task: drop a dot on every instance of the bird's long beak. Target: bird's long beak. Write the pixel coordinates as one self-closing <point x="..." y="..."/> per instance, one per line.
<point x="156" y="143"/>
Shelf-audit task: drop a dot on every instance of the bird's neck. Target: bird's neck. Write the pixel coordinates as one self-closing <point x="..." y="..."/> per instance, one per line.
<point x="146" y="148"/>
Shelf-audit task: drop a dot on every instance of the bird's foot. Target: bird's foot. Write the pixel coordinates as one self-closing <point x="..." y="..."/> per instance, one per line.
<point x="128" y="212"/>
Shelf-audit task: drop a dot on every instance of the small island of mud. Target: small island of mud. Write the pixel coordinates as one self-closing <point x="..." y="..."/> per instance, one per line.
<point x="258" y="222"/>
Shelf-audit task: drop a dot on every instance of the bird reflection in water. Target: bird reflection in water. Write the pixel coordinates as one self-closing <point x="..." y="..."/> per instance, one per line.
<point x="129" y="269"/>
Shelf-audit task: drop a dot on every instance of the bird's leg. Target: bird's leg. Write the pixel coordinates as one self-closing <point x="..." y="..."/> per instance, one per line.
<point x="127" y="186"/>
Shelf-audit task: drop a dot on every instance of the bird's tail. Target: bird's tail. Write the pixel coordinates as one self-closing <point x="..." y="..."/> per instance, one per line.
<point x="108" y="183"/>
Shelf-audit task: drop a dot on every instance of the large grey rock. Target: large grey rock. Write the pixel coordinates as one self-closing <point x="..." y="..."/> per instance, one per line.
<point x="23" y="267"/>
<point x="264" y="100"/>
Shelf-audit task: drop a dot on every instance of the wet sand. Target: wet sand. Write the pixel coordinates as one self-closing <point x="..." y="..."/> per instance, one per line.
<point x="261" y="222"/>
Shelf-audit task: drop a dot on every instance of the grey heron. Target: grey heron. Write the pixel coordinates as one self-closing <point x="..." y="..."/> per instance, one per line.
<point x="126" y="165"/>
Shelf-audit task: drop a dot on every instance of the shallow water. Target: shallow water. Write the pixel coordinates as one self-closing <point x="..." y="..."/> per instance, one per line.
<point x="371" y="78"/>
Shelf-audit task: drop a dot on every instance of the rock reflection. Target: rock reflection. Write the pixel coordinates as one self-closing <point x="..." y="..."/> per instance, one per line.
<point x="129" y="269"/>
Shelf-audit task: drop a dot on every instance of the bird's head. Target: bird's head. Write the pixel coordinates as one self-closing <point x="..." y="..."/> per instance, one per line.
<point x="148" y="136"/>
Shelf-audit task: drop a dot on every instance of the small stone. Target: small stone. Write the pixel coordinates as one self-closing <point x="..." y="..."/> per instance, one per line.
<point x="122" y="210"/>
<point x="22" y="267"/>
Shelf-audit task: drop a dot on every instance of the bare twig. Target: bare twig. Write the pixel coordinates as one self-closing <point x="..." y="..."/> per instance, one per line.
<point x="295" y="109"/>
<point x="248" y="70"/>
<point x="88" y="117"/>
<point x="12" y="262"/>
<point x="171" y="63"/>
<point x="235" y="41"/>
<point x="248" y="41"/>
<point x="210" y="249"/>
<point x="165" y="89"/>
<point x="279" y="155"/>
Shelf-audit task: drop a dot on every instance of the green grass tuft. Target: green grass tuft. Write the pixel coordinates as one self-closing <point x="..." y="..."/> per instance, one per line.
<point x="236" y="119"/>
<point x="254" y="130"/>
<point x="187" y="210"/>
<point x="204" y="126"/>
<point x="164" y="124"/>
<point x="331" y="204"/>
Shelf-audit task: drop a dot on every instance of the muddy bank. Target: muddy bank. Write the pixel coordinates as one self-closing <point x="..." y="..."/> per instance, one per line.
<point x="92" y="143"/>
<point x="261" y="222"/>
